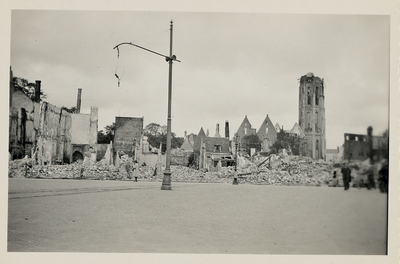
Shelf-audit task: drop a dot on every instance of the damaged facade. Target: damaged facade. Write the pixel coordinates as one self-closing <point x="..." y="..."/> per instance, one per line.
<point x="212" y="151"/>
<point x="47" y="133"/>
<point x="312" y="114"/>
<point x="84" y="135"/>
<point x="362" y="147"/>
<point x="128" y="136"/>
<point x="267" y="134"/>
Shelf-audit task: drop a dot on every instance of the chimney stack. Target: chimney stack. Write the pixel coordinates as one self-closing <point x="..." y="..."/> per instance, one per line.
<point x="217" y="135"/>
<point x="78" y="102"/>
<point x="226" y="129"/>
<point x="37" y="91"/>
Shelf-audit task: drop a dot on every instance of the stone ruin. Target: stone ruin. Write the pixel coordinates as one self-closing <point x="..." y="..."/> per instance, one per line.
<point x="276" y="169"/>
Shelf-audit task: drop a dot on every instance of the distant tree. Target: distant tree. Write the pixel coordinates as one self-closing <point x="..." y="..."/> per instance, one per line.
<point x="154" y="130"/>
<point x="27" y="87"/>
<point x="250" y="141"/>
<point x="71" y="110"/>
<point x="157" y="134"/>
<point x="293" y="143"/>
<point x="107" y="136"/>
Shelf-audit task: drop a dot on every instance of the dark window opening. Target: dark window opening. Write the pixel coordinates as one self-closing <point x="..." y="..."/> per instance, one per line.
<point x="217" y="148"/>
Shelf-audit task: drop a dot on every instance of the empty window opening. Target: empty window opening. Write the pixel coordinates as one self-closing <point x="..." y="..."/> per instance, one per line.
<point x="217" y="148"/>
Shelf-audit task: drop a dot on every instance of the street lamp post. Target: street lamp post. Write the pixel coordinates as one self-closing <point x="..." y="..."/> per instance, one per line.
<point x="236" y="139"/>
<point x="166" y="184"/>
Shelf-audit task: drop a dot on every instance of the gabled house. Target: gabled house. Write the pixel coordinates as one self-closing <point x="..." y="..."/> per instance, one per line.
<point x="267" y="134"/>
<point x="188" y="142"/>
<point x="245" y="129"/>
<point x="212" y="151"/>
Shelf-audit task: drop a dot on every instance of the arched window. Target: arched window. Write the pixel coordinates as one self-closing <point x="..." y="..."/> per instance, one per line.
<point x="316" y="96"/>
<point x="77" y="156"/>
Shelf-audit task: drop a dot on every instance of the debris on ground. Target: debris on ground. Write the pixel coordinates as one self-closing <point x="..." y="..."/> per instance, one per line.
<point x="276" y="169"/>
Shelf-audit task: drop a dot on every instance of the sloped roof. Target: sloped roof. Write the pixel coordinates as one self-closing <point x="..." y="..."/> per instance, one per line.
<point x="277" y="127"/>
<point x="201" y="133"/>
<point x="187" y="145"/>
<point x="297" y="130"/>
<point x="269" y="133"/>
<point x="245" y="120"/>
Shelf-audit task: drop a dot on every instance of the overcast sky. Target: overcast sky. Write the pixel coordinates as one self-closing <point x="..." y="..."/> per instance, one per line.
<point x="232" y="65"/>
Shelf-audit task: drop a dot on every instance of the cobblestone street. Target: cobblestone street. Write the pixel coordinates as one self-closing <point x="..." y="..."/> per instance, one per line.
<point x="138" y="217"/>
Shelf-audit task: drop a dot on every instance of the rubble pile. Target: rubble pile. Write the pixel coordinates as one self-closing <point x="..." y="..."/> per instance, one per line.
<point x="76" y="170"/>
<point x="282" y="169"/>
<point x="19" y="168"/>
<point x="277" y="169"/>
<point x="183" y="174"/>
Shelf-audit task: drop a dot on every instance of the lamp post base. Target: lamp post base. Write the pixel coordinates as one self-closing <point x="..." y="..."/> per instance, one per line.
<point x="235" y="181"/>
<point x="166" y="184"/>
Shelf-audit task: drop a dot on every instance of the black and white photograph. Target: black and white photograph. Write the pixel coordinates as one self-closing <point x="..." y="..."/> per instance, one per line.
<point x="212" y="135"/>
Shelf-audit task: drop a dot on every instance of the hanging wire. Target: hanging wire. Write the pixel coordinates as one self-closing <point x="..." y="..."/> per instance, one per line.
<point x="116" y="67"/>
<point x="130" y="43"/>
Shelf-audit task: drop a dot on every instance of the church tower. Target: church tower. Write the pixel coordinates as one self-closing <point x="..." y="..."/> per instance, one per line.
<point x="312" y="114"/>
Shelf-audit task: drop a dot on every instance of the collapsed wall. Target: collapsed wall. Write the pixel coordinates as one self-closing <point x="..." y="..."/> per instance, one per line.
<point x="275" y="170"/>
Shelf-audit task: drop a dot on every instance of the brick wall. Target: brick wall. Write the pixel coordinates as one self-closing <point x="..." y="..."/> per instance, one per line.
<point x="127" y="129"/>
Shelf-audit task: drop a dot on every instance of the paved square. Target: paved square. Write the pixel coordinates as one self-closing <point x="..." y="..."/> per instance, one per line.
<point x="138" y="217"/>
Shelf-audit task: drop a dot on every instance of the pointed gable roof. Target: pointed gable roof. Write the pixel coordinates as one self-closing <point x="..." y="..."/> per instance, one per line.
<point x="245" y="124"/>
<point x="201" y="133"/>
<point x="246" y="121"/>
<point x="188" y="143"/>
<point x="267" y="130"/>
<point x="297" y="130"/>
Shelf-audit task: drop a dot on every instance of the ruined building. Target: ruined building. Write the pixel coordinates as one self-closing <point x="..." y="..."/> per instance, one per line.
<point x="312" y="114"/>
<point x="212" y="151"/>
<point x="245" y="129"/>
<point x="47" y="133"/>
<point x="128" y="136"/>
<point x="362" y="147"/>
<point x="267" y="134"/>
